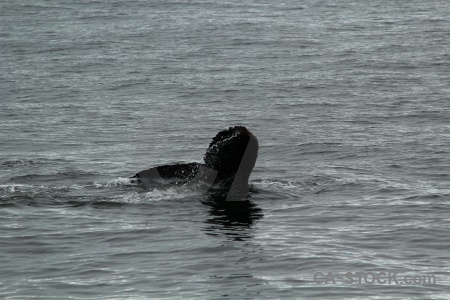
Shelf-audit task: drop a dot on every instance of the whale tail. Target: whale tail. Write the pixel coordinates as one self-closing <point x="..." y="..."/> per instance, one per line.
<point x="230" y="158"/>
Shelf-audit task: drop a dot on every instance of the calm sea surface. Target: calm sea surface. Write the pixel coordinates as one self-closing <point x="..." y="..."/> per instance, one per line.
<point x="350" y="103"/>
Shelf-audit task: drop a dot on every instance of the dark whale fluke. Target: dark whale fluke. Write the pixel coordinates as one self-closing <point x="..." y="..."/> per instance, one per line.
<point x="229" y="161"/>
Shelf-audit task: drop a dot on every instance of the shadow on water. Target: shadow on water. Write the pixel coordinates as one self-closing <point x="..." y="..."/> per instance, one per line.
<point x="233" y="219"/>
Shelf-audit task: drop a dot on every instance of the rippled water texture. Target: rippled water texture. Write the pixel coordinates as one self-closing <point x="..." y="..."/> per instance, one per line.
<point x="350" y="104"/>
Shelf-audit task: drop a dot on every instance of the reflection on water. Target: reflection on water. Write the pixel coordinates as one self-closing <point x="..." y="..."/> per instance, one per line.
<point x="233" y="219"/>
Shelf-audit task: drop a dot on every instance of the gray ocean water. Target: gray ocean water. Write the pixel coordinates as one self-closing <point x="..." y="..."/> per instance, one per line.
<point x="350" y="103"/>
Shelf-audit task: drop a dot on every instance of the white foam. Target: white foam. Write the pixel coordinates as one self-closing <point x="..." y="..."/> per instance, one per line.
<point x="12" y="188"/>
<point x="172" y="193"/>
<point x="156" y="195"/>
<point x="281" y="186"/>
<point x="121" y="181"/>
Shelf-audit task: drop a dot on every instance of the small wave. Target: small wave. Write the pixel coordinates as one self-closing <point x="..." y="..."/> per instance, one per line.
<point x="44" y="179"/>
<point x="12" y="188"/>
<point x="18" y="187"/>
<point x="121" y="181"/>
<point x="21" y="162"/>
<point x="116" y="191"/>
<point x="154" y="195"/>
<point x="284" y="187"/>
<point x="127" y="84"/>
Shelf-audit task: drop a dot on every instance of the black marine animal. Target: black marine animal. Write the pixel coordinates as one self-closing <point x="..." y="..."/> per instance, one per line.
<point x="228" y="163"/>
